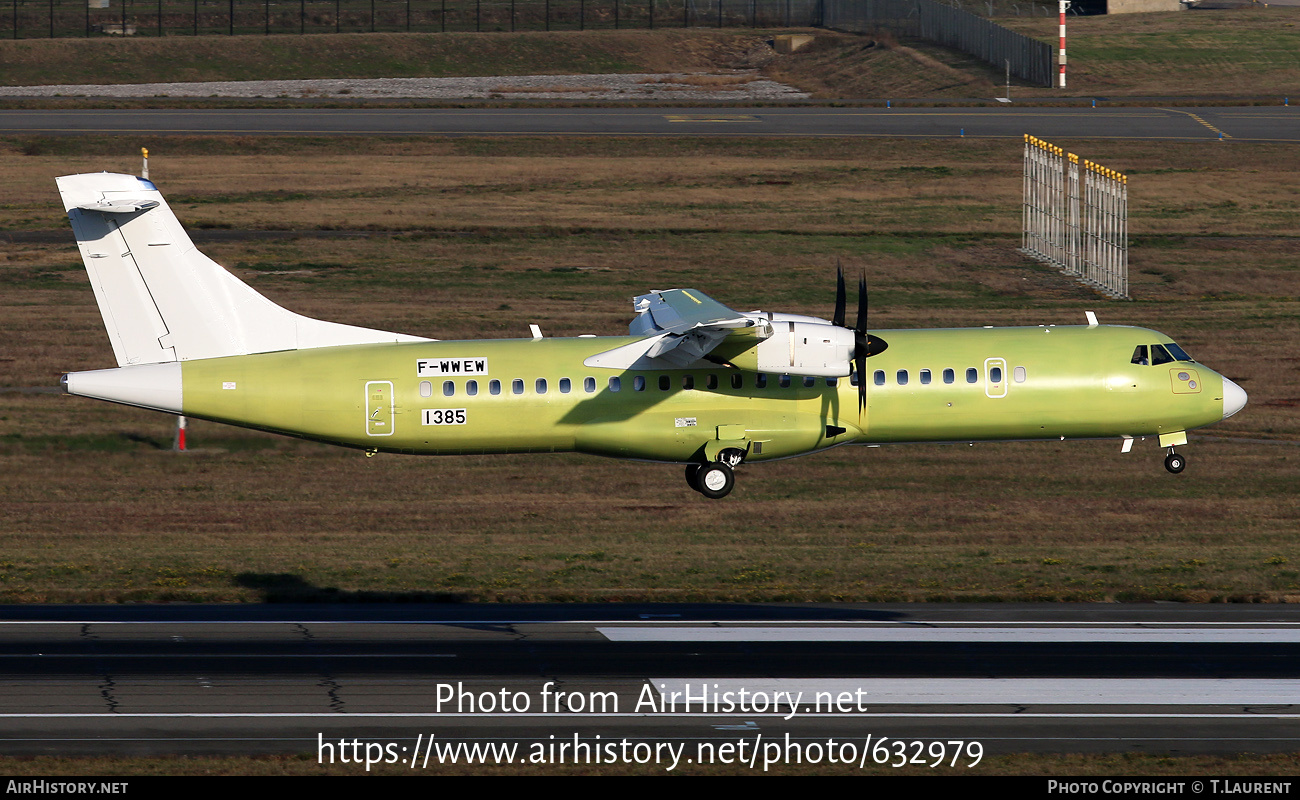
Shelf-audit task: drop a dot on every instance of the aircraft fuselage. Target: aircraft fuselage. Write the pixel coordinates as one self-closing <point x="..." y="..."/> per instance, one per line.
<point x="521" y="395"/>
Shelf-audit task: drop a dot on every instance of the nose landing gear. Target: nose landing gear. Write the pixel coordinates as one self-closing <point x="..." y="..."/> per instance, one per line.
<point x="1174" y="462"/>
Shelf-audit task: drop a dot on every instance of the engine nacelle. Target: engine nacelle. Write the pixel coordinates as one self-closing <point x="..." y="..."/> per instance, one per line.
<point x="799" y="348"/>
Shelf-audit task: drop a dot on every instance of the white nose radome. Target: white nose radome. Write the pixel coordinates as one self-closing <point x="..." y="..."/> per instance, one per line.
<point x="1234" y="398"/>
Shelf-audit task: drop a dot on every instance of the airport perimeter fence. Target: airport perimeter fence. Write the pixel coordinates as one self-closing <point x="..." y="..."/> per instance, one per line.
<point x="1028" y="59"/>
<point x="28" y="19"/>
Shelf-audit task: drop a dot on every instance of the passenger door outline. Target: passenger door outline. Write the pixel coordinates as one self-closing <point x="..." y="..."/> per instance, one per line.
<point x="995" y="390"/>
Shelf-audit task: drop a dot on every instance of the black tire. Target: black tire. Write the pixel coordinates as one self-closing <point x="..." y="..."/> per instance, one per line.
<point x="1175" y="463"/>
<point x="716" y="480"/>
<point x="693" y="476"/>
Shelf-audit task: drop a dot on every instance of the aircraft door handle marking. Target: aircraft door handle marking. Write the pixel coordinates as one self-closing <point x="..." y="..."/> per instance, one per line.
<point x="379" y="421"/>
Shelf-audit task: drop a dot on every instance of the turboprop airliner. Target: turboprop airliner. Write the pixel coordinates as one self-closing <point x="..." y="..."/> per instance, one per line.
<point x="694" y="381"/>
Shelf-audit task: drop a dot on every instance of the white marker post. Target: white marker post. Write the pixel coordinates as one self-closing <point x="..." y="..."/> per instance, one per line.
<point x="1061" y="60"/>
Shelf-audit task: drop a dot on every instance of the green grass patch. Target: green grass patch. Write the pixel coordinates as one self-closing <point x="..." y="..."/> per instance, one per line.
<point x="1251" y="51"/>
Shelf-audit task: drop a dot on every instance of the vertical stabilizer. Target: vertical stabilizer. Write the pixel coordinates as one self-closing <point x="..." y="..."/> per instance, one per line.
<point x="161" y="299"/>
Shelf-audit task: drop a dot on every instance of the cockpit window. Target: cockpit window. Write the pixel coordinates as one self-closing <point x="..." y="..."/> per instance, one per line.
<point x="1160" y="354"/>
<point x="1179" y="353"/>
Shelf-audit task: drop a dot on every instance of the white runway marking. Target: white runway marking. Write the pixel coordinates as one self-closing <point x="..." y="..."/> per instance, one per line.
<point x="1280" y="634"/>
<point x="998" y="691"/>
<point x="784" y="712"/>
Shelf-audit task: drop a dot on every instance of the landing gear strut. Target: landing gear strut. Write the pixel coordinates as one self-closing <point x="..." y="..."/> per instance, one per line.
<point x="715" y="480"/>
<point x="1174" y="462"/>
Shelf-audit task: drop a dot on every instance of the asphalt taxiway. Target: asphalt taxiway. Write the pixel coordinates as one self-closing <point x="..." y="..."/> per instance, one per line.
<point x="1243" y="123"/>
<point x="268" y="678"/>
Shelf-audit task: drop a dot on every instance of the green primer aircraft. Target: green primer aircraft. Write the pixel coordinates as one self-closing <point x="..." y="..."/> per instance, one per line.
<point x="695" y="382"/>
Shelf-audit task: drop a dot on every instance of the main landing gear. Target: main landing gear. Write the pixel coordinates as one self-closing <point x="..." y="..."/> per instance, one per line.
<point x="716" y="479"/>
<point x="1174" y="462"/>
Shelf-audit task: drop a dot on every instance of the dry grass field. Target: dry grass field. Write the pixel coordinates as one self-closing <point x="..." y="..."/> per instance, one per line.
<point x="837" y="65"/>
<point x="361" y="55"/>
<point x="479" y="238"/>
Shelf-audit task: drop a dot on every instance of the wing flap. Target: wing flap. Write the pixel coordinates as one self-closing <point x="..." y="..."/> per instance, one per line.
<point x="681" y="327"/>
<point x="682" y="310"/>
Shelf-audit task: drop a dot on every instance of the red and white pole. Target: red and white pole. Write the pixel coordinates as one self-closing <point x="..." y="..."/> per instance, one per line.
<point x="1064" y="5"/>
<point x="179" y="444"/>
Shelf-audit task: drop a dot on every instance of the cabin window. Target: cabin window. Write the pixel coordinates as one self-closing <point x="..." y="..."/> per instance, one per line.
<point x="1178" y="352"/>
<point x="925" y="377"/>
<point x="638" y="383"/>
<point x="995" y="375"/>
<point x="853" y="378"/>
<point x="760" y="381"/>
<point x="1019" y="374"/>
<point x="517" y="386"/>
<point x="615" y="384"/>
<point x="448" y="388"/>
<point x="737" y="381"/>
<point x="1140" y="356"/>
<point x="1159" y="355"/>
<point x="784" y="381"/>
<point x="471" y="388"/>
<point x="565" y="385"/>
<point x="494" y="386"/>
<point x="972" y="375"/>
<point x="949" y="376"/>
<point x="589" y="385"/>
<point x="665" y="383"/>
<point x="426" y="389"/>
<point x="832" y="381"/>
<point x="809" y="381"/>
<point x="540" y="385"/>
<point x="901" y="376"/>
<point x="711" y="382"/>
<point x="688" y="381"/>
<point x="878" y="377"/>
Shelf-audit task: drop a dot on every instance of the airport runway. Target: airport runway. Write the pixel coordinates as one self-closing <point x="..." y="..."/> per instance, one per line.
<point x="1243" y="123"/>
<point x="1013" y="678"/>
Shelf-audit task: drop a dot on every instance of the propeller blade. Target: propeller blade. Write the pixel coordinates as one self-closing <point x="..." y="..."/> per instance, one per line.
<point x="860" y="364"/>
<point x="861" y="327"/>
<point x="839" y="295"/>
<point x="861" y="343"/>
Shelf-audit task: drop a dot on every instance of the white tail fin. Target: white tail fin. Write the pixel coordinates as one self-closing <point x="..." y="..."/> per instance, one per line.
<point x="162" y="300"/>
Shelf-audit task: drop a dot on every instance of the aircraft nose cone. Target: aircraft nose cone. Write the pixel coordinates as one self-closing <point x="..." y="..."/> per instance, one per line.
<point x="1234" y="398"/>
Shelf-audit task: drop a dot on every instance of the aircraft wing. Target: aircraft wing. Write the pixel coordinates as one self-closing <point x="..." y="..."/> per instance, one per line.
<point x="681" y="325"/>
<point x="682" y="310"/>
